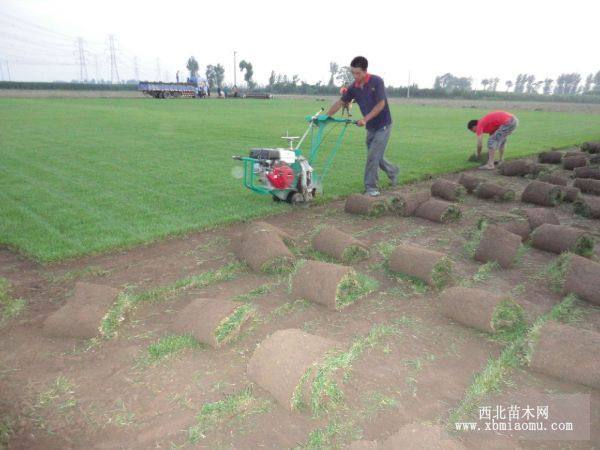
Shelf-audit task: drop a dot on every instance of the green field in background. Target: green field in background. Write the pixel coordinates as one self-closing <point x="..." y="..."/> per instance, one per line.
<point x="79" y="176"/>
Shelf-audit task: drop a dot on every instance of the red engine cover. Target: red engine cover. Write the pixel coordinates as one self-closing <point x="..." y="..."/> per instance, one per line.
<point x="281" y="177"/>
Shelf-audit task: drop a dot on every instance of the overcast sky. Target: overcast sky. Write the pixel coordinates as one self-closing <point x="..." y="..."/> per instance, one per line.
<point x="468" y="38"/>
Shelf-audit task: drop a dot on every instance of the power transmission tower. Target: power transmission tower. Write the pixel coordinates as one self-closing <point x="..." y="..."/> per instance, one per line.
<point x="7" y="70"/>
<point x="135" y="68"/>
<point x="97" y="71"/>
<point x="157" y="69"/>
<point x="114" y="71"/>
<point x="82" y="67"/>
<point x="1" y="72"/>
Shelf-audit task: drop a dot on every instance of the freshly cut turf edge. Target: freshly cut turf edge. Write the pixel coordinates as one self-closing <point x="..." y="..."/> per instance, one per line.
<point x="232" y="324"/>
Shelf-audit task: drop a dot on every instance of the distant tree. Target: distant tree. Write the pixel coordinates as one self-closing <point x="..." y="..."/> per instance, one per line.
<point x="344" y="75"/>
<point x="485" y="82"/>
<point x="272" y="78"/>
<point x="567" y="84"/>
<point x="211" y="76"/>
<point x="520" y="83"/>
<point x="494" y="84"/>
<point x="219" y="75"/>
<point x="450" y="83"/>
<point x="508" y="84"/>
<point x="333" y="70"/>
<point x="295" y="80"/>
<point x="529" y="80"/>
<point x="588" y="83"/>
<point x="597" y="82"/>
<point x="249" y="72"/>
<point x="547" y="90"/>
<point x="192" y="66"/>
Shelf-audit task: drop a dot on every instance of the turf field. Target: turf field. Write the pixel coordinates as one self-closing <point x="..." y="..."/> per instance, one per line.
<point x="79" y="176"/>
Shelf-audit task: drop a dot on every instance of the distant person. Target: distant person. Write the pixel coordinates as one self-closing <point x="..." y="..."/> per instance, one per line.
<point x="499" y="125"/>
<point x="369" y="92"/>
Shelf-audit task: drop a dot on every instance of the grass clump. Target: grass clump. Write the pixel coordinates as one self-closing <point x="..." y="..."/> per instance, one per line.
<point x="278" y="266"/>
<point x="556" y="272"/>
<point x="474" y="238"/>
<point x="508" y="320"/>
<point x="354" y="253"/>
<point x="452" y="214"/>
<point x="353" y="287"/>
<point x="254" y="293"/>
<point x="232" y="324"/>
<point x="9" y="307"/>
<point x="171" y="345"/>
<point x="585" y="246"/>
<point x="232" y="409"/>
<point x="6" y="431"/>
<point x="485" y="271"/>
<point x="441" y="274"/>
<point x="581" y="208"/>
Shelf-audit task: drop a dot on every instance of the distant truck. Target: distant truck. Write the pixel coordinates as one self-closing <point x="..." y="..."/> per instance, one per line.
<point x="170" y="90"/>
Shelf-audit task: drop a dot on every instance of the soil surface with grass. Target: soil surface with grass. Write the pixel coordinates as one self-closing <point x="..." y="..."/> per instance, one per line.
<point x="398" y="360"/>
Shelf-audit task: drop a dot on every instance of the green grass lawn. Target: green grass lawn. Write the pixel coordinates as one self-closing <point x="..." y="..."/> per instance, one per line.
<point x="79" y="176"/>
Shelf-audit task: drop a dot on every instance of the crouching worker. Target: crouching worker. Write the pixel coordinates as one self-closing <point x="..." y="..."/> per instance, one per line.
<point x="499" y="125"/>
<point x="369" y="92"/>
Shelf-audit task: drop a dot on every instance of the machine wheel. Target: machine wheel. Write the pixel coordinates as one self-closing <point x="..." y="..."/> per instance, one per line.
<point x="276" y="199"/>
<point x="296" y="198"/>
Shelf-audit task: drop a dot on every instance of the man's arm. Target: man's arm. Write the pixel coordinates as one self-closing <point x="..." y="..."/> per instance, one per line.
<point x="479" y="144"/>
<point x="374" y="113"/>
<point x="335" y="107"/>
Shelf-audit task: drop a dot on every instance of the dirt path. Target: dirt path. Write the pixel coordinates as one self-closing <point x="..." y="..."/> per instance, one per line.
<point x="110" y="393"/>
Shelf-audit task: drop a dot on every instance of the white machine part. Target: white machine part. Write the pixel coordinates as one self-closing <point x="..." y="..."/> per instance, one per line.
<point x="287" y="156"/>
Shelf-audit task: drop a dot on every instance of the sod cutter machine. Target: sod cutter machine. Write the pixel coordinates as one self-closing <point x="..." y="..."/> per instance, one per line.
<point x="288" y="175"/>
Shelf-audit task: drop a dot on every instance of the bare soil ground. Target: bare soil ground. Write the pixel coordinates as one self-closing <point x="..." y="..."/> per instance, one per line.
<point x="108" y="393"/>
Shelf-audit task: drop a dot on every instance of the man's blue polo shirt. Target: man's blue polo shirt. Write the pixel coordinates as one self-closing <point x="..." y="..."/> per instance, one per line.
<point x="367" y="96"/>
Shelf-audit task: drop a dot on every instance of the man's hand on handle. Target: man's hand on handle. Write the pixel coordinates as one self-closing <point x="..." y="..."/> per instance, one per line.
<point x="361" y="122"/>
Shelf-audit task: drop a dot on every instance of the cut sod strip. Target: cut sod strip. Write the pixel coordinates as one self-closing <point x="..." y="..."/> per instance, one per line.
<point x="280" y="363"/>
<point x="262" y="247"/>
<point x="9" y="307"/>
<point x="587" y="185"/>
<point x="554" y="179"/>
<point x="577" y="160"/>
<point x="568" y="353"/>
<point x="212" y="321"/>
<point x="365" y="205"/>
<point x="591" y="146"/>
<point x="331" y="285"/>
<point x="169" y="346"/>
<point x="413" y="436"/>
<point x="494" y="192"/>
<point x="438" y="211"/>
<point x="434" y="268"/>
<point x="573" y="274"/>
<point x="405" y="203"/>
<point x="587" y="172"/>
<point x="82" y="313"/>
<point x="587" y="207"/>
<point x="126" y="302"/>
<point x="551" y="157"/>
<point x="483" y="310"/>
<point x="448" y="190"/>
<point x="542" y="194"/>
<point x="339" y="245"/>
<point x="497" y="244"/>
<point x="571" y="194"/>
<point x="561" y="238"/>
<point x="540" y="216"/>
<point x="469" y="182"/>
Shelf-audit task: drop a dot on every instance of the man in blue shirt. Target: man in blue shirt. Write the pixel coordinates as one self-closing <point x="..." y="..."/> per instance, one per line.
<point x="369" y="92"/>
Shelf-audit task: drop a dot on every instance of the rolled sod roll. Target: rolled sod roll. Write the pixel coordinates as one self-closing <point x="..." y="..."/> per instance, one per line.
<point x="365" y="205"/>
<point x="213" y="321"/>
<point x="594" y="159"/>
<point x="571" y="162"/>
<point x="587" y="185"/>
<point x="434" y="268"/>
<point x="580" y="276"/>
<point x="280" y="362"/>
<point x="591" y="147"/>
<point x="499" y="245"/>
<point x="587" y="172"/>
<point x="588" y="207"/>
<point x="339" y="245"/>
<point x="553" y="179"/>
<point x="469" y="182"/>
<point x="331" y="285"/>
<point x="572" y="153"/>
<point x="263" y="249"/>
<point x="482" y="310"/>
<point x="543" y="194"/>
<point x="540" y="216"/>
<point x="561" y="238"/>
<point x="82" y="314"/>
<point x="438" y="211"/>
<point x="519" y="227"/>
<point x="405" y="204"/>
<point x="568" y="353"/>
<point x="518" y="168"/>
<point x="448" y="190"/>
<point x="551" y="157"/>
<point x="571" y="194"/>
<point x="492" y="191"/>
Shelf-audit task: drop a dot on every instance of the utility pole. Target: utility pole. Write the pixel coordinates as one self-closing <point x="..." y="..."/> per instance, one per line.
<point x="114" y="71"/>
<point x="408" y="88"/>
<point x="135" y="68"/>
<point x="82" y="67"/>
<point x="234" y="68"/>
